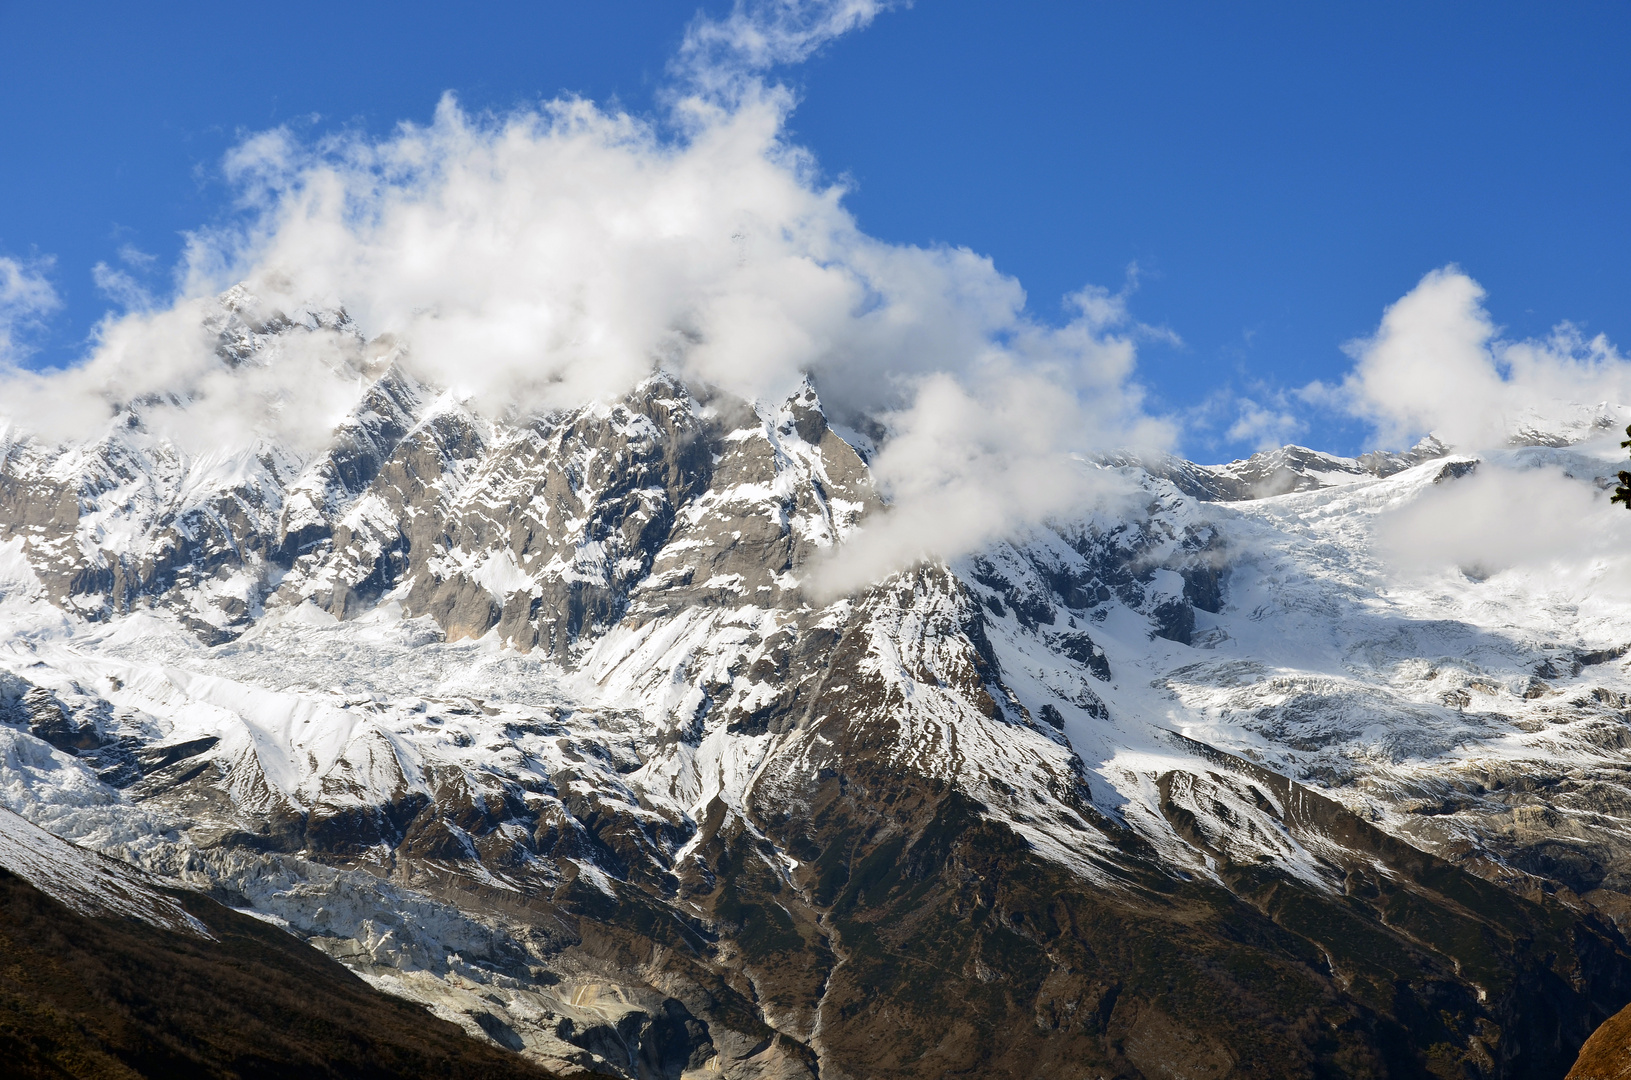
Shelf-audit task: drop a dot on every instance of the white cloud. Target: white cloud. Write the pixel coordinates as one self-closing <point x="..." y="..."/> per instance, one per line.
<point x="551" y="257"/>
<point x="720" y="59"/>
<point x="1437" y="365"/>
<point x="121" y="287"/>
<point x="26" y="297"/>
<point x="979" y="453"/>
<point x="1264" y="425"/>
<point x="1504" y="518"/>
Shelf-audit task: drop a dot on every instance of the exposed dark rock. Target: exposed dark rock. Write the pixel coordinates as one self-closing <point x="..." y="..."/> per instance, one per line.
<point x="1081" y="648"/>
<point x="48" y="719"/>
<point x="164" y="755"/>
<point x="1174" y="620"/>
<point x="1455" y="470"/>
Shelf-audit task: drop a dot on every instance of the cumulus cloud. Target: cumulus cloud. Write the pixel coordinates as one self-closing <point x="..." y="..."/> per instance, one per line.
<point x="26" y="297"/>
<point x="1437" y="364"/>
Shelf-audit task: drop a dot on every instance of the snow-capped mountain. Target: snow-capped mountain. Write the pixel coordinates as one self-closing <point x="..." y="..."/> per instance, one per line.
<point x="536" y="721"/>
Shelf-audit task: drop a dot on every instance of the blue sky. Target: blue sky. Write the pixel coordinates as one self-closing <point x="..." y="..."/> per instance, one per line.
<point x="1278" y="173"/>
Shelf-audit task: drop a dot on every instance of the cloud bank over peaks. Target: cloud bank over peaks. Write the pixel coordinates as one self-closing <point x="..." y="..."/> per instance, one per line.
<point x="1513" y="515"/>
<point x="555" y="256"/>
<point x="1437" y="364"/>
<point x="544" y="259"/>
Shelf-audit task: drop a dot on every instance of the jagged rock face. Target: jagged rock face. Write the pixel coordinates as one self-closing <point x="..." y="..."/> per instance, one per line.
<point x="547" y="531"/>
<point x="532" y="721"/>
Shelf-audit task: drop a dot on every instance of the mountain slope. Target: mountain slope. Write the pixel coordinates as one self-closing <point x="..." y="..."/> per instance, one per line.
<point x="1607" y="1054"/>
<point x="106" y="976"/>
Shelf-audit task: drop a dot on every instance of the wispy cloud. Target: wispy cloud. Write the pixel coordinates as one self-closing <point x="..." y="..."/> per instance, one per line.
<point x="121" y="287"/>
<point x="723" y="60"/>
<point x="131" y="255"/>
<point x="1260" y="417"/>
<point x="26" y="297"/>
<point x="1264" y="424"/>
